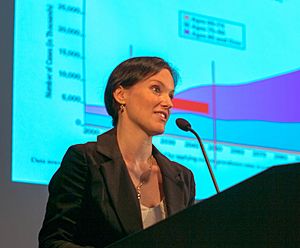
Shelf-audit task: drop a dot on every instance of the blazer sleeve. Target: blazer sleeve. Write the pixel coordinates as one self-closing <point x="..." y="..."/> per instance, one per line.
<point x="66" y="195"/>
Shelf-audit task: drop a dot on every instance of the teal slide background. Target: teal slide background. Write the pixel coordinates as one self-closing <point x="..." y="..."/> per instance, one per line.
<point x="65" y="51"/>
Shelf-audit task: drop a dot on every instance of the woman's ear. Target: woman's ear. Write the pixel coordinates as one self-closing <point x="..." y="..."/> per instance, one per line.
<point x="119" y="95"/>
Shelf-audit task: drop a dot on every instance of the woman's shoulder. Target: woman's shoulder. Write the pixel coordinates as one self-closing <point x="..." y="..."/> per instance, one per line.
<point x="174" y="165"/>
<point x="181" y="166"/>
<point x="83" y="147"/>
<point x="92" y="146"/>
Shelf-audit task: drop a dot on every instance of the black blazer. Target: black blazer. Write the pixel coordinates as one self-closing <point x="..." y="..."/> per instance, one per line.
<point x="92" y="200"/>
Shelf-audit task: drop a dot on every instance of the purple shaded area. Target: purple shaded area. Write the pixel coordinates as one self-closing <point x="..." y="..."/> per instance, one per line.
<point x="91" y="109"/>
<point x="274" y="99"/>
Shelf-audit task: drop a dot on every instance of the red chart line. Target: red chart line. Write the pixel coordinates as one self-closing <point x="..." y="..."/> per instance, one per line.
<point x="193" y="106"/>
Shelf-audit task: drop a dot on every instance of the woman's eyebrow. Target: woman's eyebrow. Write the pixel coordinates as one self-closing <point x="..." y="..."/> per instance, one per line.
<point x="163" y="85"/>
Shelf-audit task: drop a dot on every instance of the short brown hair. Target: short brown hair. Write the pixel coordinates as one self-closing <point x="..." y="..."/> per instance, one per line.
<point x="130" y="72"/>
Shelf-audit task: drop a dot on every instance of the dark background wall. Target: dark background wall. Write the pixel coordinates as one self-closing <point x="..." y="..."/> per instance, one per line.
<point x="22" y="206"/>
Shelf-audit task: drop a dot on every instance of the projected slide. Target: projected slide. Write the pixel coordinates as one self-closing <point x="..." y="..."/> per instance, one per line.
<point x="239" y="87"/>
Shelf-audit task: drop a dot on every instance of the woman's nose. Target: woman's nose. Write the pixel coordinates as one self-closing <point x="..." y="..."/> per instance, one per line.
<point x="167" y="102"/>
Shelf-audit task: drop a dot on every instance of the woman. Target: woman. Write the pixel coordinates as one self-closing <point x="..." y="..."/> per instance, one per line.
<point x="120" y="184"/>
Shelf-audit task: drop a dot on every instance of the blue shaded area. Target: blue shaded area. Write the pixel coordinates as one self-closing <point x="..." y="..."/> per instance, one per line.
<point x="260" y="133"/>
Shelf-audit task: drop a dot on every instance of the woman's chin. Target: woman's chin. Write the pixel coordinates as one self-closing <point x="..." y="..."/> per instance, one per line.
<point x="158" y="131"/>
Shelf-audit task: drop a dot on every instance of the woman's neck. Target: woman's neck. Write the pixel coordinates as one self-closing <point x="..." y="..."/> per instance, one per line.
<point x="135" y="145"/>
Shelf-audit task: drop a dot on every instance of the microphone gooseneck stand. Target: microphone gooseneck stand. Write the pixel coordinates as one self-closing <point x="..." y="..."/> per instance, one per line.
<point x="186" y="126"/>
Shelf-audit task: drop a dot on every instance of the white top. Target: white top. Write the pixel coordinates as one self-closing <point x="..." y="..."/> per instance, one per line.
<point x="153" y="215"/>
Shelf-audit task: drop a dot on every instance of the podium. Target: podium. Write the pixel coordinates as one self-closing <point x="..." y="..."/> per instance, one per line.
<point x="263" y="211"/>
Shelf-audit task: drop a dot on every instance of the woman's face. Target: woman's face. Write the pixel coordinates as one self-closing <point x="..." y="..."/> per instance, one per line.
<point x="148" y="103"/>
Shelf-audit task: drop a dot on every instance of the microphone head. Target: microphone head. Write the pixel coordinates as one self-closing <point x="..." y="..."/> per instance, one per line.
<point x="183" y="124"/>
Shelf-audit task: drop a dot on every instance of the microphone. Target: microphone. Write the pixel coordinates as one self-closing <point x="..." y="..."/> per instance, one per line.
<point x="186" y="126"/>
<point x="183" y="124"/>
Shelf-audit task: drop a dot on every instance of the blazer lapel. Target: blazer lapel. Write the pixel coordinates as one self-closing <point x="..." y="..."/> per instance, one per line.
<point x="173" y="183"/>
<point x="119" y="184"/>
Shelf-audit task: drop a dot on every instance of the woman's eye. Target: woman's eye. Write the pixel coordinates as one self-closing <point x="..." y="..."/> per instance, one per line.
<point x="156" y="89"/>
